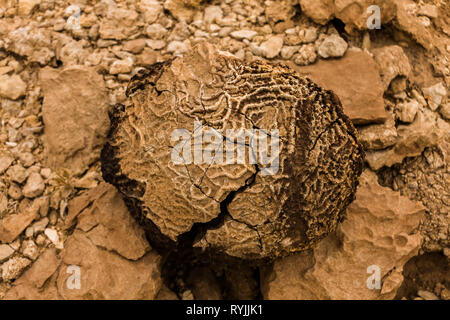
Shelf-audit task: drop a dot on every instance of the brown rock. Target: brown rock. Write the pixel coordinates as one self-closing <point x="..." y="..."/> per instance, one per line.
<point x="31" y="42"/>
<point x="118" y="24"/>
<point x="392" y="63"/>
<point x="12" y="87"/>
<point x="278" y="12"/>
<point x="182" y="10"/>
<point x="12" y="226"/>
<point x="353" y="12"/>
<point x="75" y="100"/>
<point x="105" y="275"/>
<point x="427" y="130"/>
<point x="13" y="268"/>
<point x="104" y="218"/>
<point x="5" y="162"/>
<point x="426" y="178"/>
<point x="135" y="46"/>
<point x="409" y="22"/>
<point x="34" y="284"/>
<point x="151" y="9"/>
<point x="356" y="82"/>
<point x="5" y="252"/>
<point x="107" y="250"/>
<point x="35" y="185"/>
<point x="174" y="194"/>
<point x="26" y="6"/>
<point x="271" y="47"/>
<point x="378" y="231"/>
<point x="148" y="57"/>
<point x="379" y="136"/>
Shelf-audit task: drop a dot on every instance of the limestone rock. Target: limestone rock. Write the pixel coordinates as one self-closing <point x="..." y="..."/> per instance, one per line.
<point x="5" y="252"/>
<point x="156" y="31"/>
<point x="279" y="12"/>
<point x="121" y="66"/>
<point x="5" y="162"/>
<point x="427" y="130"/>
<point x="435" y="95"/>
<point x="135" y="46"/>
<point x="408" y="21"/>
<point x="107" y="250"/>
<point x="31" y="42"/>
<point x="355" y="80"/>
<point x="271" y="47"/>
<point x="35" y="186"/>
<point x="180" y="9"/>
<point x="103" y="216"/>
<point x="254" y="202"/>
<point x="332" y="47"/>
<point x="27" y="6"/>
<point x="12" y="87"/>
<point x="75" y="100"/>
<point x="151" y="9"/>
<point x="213" y="14"/>
<point x="392" y="62"/>
<point x="353" y="13"/>
<point x="13" y="268"/>
<point x="379" y="136"/>
<point x="12" y="226"/>
<point x="444" y="111"/>
<point x="406" y="111"/>
<point x="425" y="178"/>
<point x="118" y="24"/>
<point x="243" y="34"/>
<point x="106" y="275"/>
<point x="378" y="233"/>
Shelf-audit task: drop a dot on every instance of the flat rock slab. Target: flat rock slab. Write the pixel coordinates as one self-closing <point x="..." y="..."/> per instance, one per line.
<point x="356" y="81"/>
<point x="75" y="114"/>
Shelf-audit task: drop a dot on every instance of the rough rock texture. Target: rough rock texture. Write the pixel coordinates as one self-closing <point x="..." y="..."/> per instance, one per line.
<point x="109" y="248"/>
<point x="75" y="101"/>
<point x="12" y="87"/>
<point x="247" y="210"/>
<point x="426" y="178"/>
<point x="427" y="130"/>
<point x="379" y="136"/>
<point x="353" y="13"/>
<point x="12" y="226"/>
<point x="362" y="95"/>
<point x="392" y="63"/>
<point x="380" y="229"/>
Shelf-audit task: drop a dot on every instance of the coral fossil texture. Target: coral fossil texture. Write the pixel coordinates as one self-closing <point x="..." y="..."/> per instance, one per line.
<point x="248" y="210"/>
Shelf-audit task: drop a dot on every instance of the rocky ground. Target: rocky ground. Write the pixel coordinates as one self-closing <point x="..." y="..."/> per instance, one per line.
<point x="64" y="64"/>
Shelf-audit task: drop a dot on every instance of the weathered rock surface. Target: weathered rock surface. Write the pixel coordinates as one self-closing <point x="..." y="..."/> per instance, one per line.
<point x="75" y="100"/>
<point x="32" y="43"/>
<point x="108" y="249"/>
<point x="332" y="47"/>
<point x="362" y="95"/>
<point x="427" y="130"/>
<point x="393" y="63"/>
<point x="12" y="226"/>
<point x="379" y="136"/>
<point x="426" y="178"/>
<point x="12" y="87"/>
<point x="379" y="231"/>
<point x="353" y="13"/>
<point x="260" y="213"/>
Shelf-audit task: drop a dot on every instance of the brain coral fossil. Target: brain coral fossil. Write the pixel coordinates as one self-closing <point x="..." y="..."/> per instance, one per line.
<point x="250" y="159"/>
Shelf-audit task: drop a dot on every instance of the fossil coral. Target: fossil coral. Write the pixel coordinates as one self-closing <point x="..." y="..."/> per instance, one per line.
<point x="250" y="208"/>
